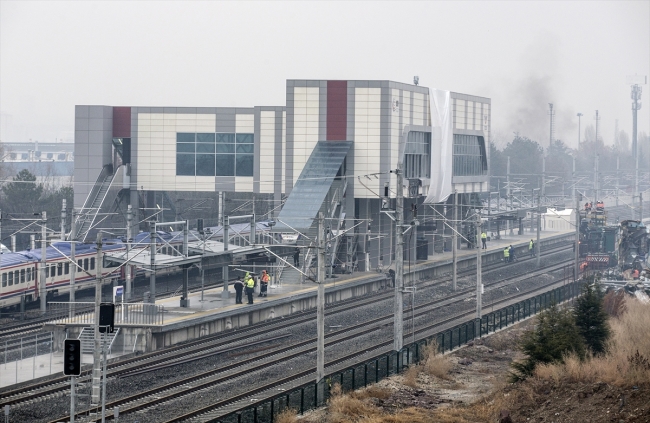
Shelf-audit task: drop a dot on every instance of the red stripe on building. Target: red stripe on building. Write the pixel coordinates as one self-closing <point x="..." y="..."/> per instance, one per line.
<point x="121" y="122"/>
<point x="337" y="110"/>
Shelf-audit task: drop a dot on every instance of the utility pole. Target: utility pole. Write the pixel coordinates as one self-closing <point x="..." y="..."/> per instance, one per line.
<point x="97" y="368"/>
<point x="479" y="271"/>
<point x="539" y="225"/>
<point x="185" y="300"/>
<point x="43" y="284"/>
<point x="152" y="263"/>
<point x="641" y="207"/>
<point x="63" y="218"/>
<point x="73" y="265"/>
<point x="543" y="176"/>
<point x="576" y="270"/>
<point x="225" y="294"/>
<point x="129" y="223"/>
<point x="398" y="324"/>
<point x="454" y="245"/>
<point x="320" y="307"/>
<point x="508" y="193"/>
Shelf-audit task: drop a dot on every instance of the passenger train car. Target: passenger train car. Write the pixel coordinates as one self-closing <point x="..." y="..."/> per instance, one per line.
<point x="20" y="271"/>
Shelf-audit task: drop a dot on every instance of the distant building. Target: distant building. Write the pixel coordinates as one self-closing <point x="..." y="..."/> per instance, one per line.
<point x="51" y="163"/>
<point x="331" y="147"/>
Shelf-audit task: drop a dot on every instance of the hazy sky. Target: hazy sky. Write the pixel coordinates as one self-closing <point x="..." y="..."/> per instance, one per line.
<point x="521" y="54"/>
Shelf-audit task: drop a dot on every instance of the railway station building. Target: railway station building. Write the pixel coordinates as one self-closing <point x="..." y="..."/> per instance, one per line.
<point x="330" y="148"/>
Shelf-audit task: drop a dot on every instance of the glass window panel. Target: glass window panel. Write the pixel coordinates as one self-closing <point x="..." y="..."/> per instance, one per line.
<point x="184" y="148"/>
<point x="22" y="275"/>
<point x="225" y="148"/>
<point x="29" y="274"/>
<point x="244" y="165"/>
<point x="225" y="165"/>
<point x="205" y="138"/>
<point x="4" y="279"/>
<point x="85" y="264"/>
<point x="59" y="269"/>
<point x="205" y="164"/>
<point x="245" y="148"/>
<point x="92" y="263"/>
<point x="52" y="271"/>
<point x="226" y="138"/>
<point x="11" y="278"/>
<point x="205" y="148"/>
<point x="67" y="268"/>
<point x="245" y="139"/>
<point x="185" y="164"/>
<point x="185" y="137"/>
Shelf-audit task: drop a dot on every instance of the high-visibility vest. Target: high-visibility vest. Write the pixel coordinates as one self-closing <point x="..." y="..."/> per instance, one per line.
<point x="483" y="235"/>
<point x="506" y="252"/>
<point x="250" y="283"/>
<point x="265" y="278"/>
<point x="530" y="245"/>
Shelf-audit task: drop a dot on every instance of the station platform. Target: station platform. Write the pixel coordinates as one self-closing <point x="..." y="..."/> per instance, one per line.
<point x="216" y="314"/>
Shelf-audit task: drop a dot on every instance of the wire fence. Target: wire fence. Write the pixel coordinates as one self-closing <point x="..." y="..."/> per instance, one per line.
<point x="313" y="395"/>
<point x="126" y="314"/>
<point x="26" y="358"/>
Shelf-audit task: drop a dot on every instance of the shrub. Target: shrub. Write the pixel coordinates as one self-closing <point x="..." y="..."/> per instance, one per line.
<point x="555" y="336"/>
<point x="591" y="318"/>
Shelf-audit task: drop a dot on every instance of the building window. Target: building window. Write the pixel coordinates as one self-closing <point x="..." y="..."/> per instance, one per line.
<point x="214" y="154"/>
<point x="470" y="158"/>
<point x="417" y="155"/>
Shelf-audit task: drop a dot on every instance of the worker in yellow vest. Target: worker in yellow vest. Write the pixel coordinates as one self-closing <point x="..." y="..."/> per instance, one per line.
<point x="250" y="287"/>
<point x="484" y="240"/>
<point x="531" y="248"/>
<point x="506" y="254"/>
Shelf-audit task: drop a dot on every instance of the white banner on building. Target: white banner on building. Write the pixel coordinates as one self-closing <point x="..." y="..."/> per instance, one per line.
<point x="442" y="140"/>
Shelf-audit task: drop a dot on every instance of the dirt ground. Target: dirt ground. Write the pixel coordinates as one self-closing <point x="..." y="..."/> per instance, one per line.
<point x="476" y="389"/>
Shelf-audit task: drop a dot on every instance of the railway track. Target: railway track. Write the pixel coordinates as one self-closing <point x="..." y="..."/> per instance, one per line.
<point x="61" y="384"/>
<point x="190" y="385"/>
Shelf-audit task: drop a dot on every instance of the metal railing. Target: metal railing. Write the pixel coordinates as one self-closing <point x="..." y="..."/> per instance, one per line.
<point x="127" y="314"/>
<point x="306" y="397"/>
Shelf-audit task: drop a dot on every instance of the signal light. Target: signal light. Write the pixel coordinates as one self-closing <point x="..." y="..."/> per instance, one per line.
<point x="106" y="317"/>
<point x="72" y="357"/>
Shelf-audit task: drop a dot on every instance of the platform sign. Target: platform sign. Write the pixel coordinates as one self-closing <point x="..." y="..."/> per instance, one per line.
<point x="118" y="291"/>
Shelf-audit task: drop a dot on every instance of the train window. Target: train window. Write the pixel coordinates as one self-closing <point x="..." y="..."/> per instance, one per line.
<point x="11" y="278"/>
<point x="85" y="264"/>
<point x="4" y="280"/>
<point x="29" y="274"/>
<point x="79" y="264"/>
<point x="92" y="263"/>
<point x="52" y="271"/>
<point x="60" y="269"/>
<point x="67" y="267"/>
<point x="22" y="275"/>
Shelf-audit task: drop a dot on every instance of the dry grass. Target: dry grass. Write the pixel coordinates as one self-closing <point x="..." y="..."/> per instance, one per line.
<point x="484" y="410"/>
<point x="614" y="303"/>
<point x="627" y="359"/>
<point x="410" y="377"/>
<point x="435" y="363"/>
<point x="287" y="416"/>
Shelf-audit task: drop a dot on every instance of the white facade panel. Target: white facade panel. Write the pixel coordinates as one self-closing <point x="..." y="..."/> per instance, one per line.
<point x="267" y="151"/>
